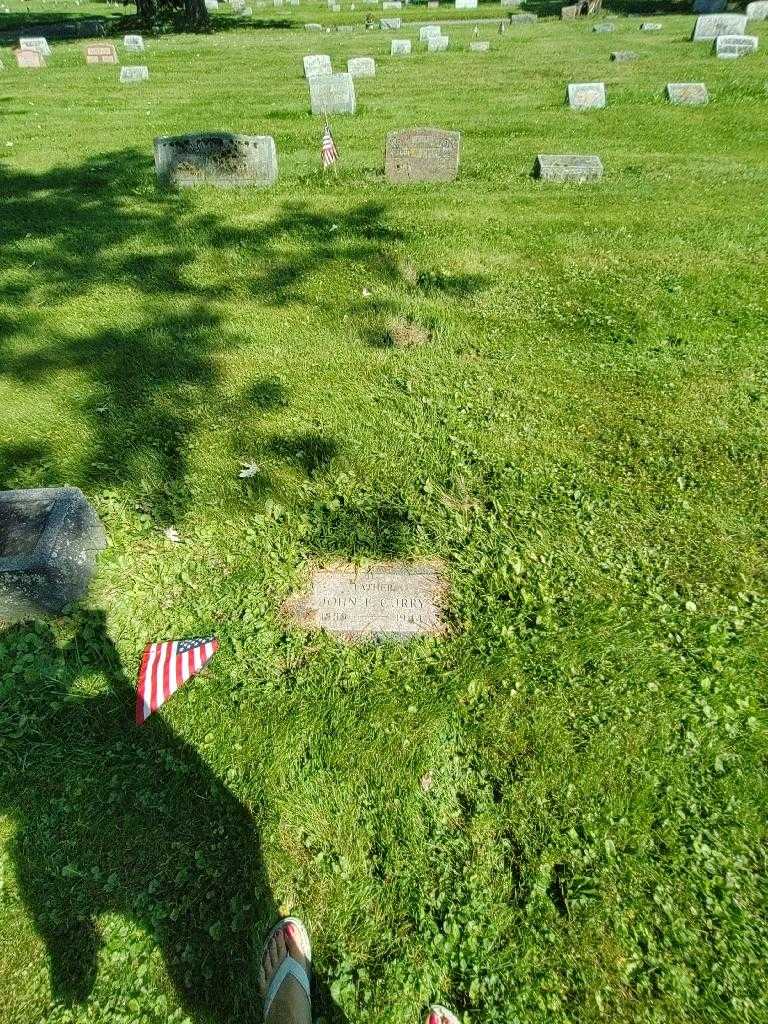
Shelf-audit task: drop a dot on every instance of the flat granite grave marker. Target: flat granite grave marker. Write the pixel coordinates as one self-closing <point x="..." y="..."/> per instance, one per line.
<point x="49" y="537"/>
<point x="361" y="67"/>
<point x="735" y="46"/>
<point x="620" y="56"/>
<point x="313" y="26"/>
<point x="523" y="19"/>
<point x="692" y="94"/>
<point x="134" y="44"/>
<point x="332" y="94"/>
<point x="400" y="47"/>
<point x="422" y="154"/>
<point x="709" y="6"/>
<point x="586" y="95"/>
<point x="390" y="24"/>
<point x="388" y="599"/>
<point x="317" y="64"/>
<point x="39" y="43"/>
<point x="465" y="5"/>
<point x="568" y="167"/>
<point x="135" y="73"/>
<point x="479" y="47"/>
<point x="651" y="26"/>
<point x="429" y="30"/>
<point x="216" y="158"/>
<point x="391" y="5"/>
<point x="604" y="26"/>
<point x="437" y="44"/>
<point x="29" y="58"/>
<point x="710" y="26"/>
<point x="757" y="10"/>
<point x="100" y="53"/>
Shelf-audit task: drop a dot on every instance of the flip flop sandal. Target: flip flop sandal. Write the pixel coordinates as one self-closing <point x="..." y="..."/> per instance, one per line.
<point x="446" y="1017"/>
<point x="289" y="967"/>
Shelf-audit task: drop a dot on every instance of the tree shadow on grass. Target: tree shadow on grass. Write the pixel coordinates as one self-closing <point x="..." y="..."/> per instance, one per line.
<point x="114" y="817"/>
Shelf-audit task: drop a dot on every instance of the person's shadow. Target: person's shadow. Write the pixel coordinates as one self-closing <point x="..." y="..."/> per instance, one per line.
<point x="112" y="817"/>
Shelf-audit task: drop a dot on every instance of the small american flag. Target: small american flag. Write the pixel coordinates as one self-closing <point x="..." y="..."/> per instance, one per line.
<point x="328" y="151"/>
<point x="167" y="666"/>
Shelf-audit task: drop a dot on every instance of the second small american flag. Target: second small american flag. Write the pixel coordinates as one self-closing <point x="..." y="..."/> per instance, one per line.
<point x="329" y="154"/>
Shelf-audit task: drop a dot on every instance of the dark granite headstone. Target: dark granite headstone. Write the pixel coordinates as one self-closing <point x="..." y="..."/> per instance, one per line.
<point x="48" y="543"/>
<point x="216" y="158"/>
<point x="85" y="29"/>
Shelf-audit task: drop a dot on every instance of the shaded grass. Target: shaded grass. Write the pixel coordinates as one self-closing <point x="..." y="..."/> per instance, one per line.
<point x="582" y="443"/>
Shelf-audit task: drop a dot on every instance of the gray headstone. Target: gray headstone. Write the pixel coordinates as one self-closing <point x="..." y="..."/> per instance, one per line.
<point x="511" y="3"/>
<point x="422" y="154"/>
<point x="391" y="5"/>
<point x="216" y="158"/>
<point x="523" y="19"/>
<point x="586" y="95"/>
<point x="568" y="167"/>
<point x="651" y="26"/>
<point x="138" y="73"/>
<point x="429" y="30"/>
<point x="211" y="5"/>
<point x="690" y="93"/>
<point x="710" y="26"/>
<point x="361" y="67"/>
<point x="437" y="44"/>
<point x="391" y="24"/>
<point x="399" y="47"/>
<point x="48" y="543"/>
<point x="604" y="26"/>
<point x="709" y="6"/>
<point x="101" y="53"/>
<point x="433" y="4"/>
<point x="479" y="47"/>
<point x="332" y="94"/>
<point x="757" y="10"/>
<point x="312" y="26"/>
<point x="317" y="64"/>
<point x="29" y="58"/>
<point x="465" y="5"/>
<point x="35" y="43"/>
<point x="385" y="600"/>
<point x="735" y="46"/>
<point x="570" y="12"/>
<point x="621" y="56"/>
<point x="133" y="44"/>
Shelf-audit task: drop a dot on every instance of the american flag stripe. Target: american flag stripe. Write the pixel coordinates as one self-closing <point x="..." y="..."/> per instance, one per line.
<point x="165" y="667"/>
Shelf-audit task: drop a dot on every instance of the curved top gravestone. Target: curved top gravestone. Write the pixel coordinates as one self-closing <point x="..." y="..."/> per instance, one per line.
<point x="216" y="158"/>
<point x="49" y="537"/>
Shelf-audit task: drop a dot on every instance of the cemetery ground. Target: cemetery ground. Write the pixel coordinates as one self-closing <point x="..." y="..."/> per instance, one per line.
<point x="557" y="811"/>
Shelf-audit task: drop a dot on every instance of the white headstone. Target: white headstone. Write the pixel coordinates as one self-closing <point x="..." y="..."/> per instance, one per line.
<point x="138" y="73"/>
<point x="211" y="5"/>
<point x="735" y="46"/>
<point x="651" y="26"/>
<point x="692" y="94"/>
<point x="399" y="47"/>
<point x="757" y="11"/>
<point x="35" y="43"/>
<point x="391" y="5"/>
<point x="437" y="44"/>
<point x="391" y="24"/>
<point x="317" y="64"/>
<point x="133" y="44"/>
<point x="332" y="94"/>
<point x="710" y="26"/>
<point x="479" y="47"/>
<point x="429" y="30"/>
<point x="361" y="67"/>
<point x="465" y="5"/>
<point x="586" y="95"/>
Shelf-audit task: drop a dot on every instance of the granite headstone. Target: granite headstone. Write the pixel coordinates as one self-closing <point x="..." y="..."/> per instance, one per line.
<point x="757" y="10"/>
<point x="692" y="94"/>
<point x="710" y="26"/>
<point x="735" y="46"/>
<point x="216" y="158"/>
<point x="586" y="95"/>
<point x="135" y="73"/>
<point x="38" y="43"/>
<point x="399" y="47"/>
<point x="567" y="167"/>
<point x="361" y="67"/>
<point x="317" y="64"/>
<point x="134" y="44"/>
<point x="29" y="58"/>
<point x="332" y="94"/>
<point x="100" y="53"/>
<point x="422" y="154"/>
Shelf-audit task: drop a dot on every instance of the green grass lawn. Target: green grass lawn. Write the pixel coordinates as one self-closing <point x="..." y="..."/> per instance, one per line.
<point x="557" y="813"/>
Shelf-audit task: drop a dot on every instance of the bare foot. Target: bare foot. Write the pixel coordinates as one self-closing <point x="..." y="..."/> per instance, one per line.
<point x="291" y="1003"/>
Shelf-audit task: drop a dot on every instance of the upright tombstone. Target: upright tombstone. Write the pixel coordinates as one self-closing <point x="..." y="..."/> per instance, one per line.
<point x="437" y="44"/>
<point x="429" y="30"/>
<point x="385" y="600"/>
<point x="211" y="6"/>
<point x="361" y="67"/>
<point x="131" y="74"/>
<point x="433" y="4"/>
<point x="100" y="53"/>
<point x="39" y="43"/>
<point x="400" y="47"/>
<point x="478" y="46"/>
<point x="29" y="58"/>
<point x="757" y="10"/>
<point x="710" y="26"/>
<point x="621" y="56"/>
<point x="586" y="95"/>
<point x="332" y="94"/>
<point x="523" y="19"/>
<point x="709" y="6"/>
<point x="391" y="24"/>
<point x="422" y="154"/>
<point x="216" y="158"/>
<point x="570" y="12"/>
<point x="49" y="538"/>
<point x="511" y="3"/>
<point x="567" y="167"/>
<point x="391" y="5"/>
<point x="692" y="94"/>
<point x="317" y="64"/>
<point x="465" y="5"/>
<point x="651" y="26"/>
<point x="133" y="44"/>
<point x="735" y="46"/>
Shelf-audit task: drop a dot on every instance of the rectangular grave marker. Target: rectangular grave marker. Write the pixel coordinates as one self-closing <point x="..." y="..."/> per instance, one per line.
<point x="465" y="5"/>
<point x="391" y="24"/>
<point x="382" y="600"/>
<point x="523" y="19"/>
<point x="568" y="167"/>
<point x="29" y="58"/>
<point x="429" y="30"/>
<point x="134" y="44"/>
<point x="651" y="26"/>
<point x="332" y="94"/>
<point x="391" y="5"/>
<point x="586" y="95"/>
<point x="479" y="47"/>
<point x="604" y="26"/>
<point x="437" y="44"/>
<point x="216" y="158"/>
<point x="689" y="93"/>
<point x="422" y="154"/>
<point x="621" y="56"/>
<point x="400" y="47"/>
<point x="135" y="73"/>
<point x="710" y="26"/>
<point x="38" y="43"/>
<point x="317" y="64"/>
<point x="729" y="47"/>
<point x="361" y="67"/>
<point x="757" y="10"/>
<point x="100" y="53"/>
